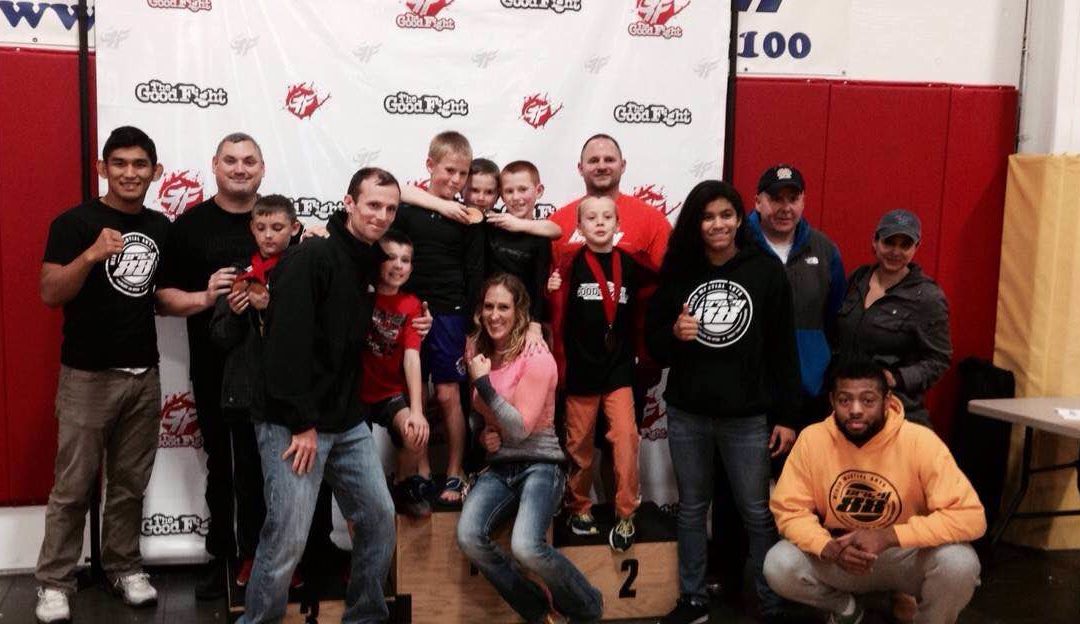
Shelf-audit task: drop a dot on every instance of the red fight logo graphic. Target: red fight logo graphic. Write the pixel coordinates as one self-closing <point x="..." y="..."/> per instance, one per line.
<point x="425" y="14"/>
<point x="654" y="196"/>
<point x="179" y="191"/>
<point x="537" y="110"/>
<point x="653" y="16"/>
<point x="302" y="100"/>
<point x="179" y="423"/>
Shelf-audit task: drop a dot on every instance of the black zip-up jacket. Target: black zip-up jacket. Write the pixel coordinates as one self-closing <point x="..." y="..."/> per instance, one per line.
<point x="905" y="331"/>
<point x="744" y="361"/>
<point x="318" y="317"/>
<point x="238" y="336"/>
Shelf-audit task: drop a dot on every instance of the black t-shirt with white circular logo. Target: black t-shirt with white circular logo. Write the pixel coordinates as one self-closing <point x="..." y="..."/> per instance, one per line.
<point x="110" y="322"/>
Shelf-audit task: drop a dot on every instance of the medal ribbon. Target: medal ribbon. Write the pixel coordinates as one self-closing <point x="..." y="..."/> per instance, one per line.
<point x="608" y="298"/>
<point x="259" y="268"/>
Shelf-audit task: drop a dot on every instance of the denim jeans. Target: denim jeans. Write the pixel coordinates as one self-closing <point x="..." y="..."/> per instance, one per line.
<point x="743" y="444"/>
<point x="350" y="463"/>
<point x="535" y="492"/>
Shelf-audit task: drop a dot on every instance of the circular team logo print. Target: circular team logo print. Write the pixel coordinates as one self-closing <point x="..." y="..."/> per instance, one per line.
<point x="132" y="270"/>
<point x="723" y="310"/>
<point x="864" y="500"/>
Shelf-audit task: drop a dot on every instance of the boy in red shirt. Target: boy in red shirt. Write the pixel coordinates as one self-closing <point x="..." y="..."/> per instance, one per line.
<point x="391" y="384"/>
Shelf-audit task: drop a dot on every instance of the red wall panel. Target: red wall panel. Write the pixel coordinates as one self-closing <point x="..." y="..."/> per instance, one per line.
<point x="886" y="149"/>
<point x="781" y="121"/>
<point x="865" y="148"/>
<point x="39" y="170"/>
<point x="982" y="129"/>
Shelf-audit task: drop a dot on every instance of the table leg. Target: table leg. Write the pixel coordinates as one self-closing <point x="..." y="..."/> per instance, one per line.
<point x="1025" y="479"/>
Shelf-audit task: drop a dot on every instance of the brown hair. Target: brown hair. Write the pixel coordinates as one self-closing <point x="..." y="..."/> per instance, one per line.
<point x="522" y="166"/>
<point x="381" y="177"/>
<point x="516" y="344"/>
<point x="273" y="204"/>
<point x="447" y="142"/>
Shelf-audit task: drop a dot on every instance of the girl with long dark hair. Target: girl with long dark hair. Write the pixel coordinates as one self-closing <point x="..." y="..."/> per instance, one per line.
<point x="722" y="321"/>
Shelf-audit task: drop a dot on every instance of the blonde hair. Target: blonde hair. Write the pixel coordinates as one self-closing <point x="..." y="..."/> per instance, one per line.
<point x="516" y="344"/>
<point x="448" y="142"/>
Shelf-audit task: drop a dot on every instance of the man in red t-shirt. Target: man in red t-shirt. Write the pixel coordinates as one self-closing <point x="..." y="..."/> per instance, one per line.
<point x="643" y="230"/>
<point x="643" y="234"/>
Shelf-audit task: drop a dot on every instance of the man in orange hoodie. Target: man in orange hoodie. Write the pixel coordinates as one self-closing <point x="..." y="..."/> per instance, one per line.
<point x="869" y="502"/>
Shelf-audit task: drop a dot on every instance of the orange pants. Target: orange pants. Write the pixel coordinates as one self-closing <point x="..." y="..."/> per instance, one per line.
<point x="624" y="439"/>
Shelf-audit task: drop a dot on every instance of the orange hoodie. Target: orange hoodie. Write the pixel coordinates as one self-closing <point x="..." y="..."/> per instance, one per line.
<point x="904" y="477"/>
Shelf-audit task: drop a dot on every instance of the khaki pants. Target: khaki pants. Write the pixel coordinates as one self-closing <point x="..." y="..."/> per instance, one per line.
<point x="942" y="578"/>
<point x="105" y="415"/>
<point x="624" y="438"/>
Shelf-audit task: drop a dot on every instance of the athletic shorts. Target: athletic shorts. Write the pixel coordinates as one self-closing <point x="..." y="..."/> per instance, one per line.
<point x="383" y="413"/>
<point x="442" y="357"/>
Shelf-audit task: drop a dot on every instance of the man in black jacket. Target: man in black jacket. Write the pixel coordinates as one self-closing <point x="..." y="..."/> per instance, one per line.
<point x="310" y="420"/>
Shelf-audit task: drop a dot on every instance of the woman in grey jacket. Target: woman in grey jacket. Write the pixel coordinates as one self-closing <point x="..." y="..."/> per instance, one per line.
<point x="897" y="316"/>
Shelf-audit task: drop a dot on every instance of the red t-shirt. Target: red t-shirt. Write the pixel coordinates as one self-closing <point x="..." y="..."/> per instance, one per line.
<point x="384" y="350"/>
<point x="643" y="231"/>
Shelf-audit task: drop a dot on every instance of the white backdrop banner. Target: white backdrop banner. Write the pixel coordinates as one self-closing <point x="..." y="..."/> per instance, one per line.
<point x="793" y="37"/>
<point x="328" y="87"/>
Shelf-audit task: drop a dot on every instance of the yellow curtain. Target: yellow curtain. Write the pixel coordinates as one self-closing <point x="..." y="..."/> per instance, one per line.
<point x="1038" y="326"/>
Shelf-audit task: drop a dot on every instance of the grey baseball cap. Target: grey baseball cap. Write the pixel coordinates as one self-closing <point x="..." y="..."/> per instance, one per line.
<point x="899" y="221"/>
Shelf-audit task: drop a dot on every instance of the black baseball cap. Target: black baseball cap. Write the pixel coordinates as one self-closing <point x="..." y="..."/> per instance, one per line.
<point x="778" y="177"/>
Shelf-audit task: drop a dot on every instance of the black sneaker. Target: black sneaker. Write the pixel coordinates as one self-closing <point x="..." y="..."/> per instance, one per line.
<point x="583" y="524"/>
<point x="621" y="537"/>
<point x="212" y="584"/>
<point x="687" y="611"/>
<point x="412" y="496"/>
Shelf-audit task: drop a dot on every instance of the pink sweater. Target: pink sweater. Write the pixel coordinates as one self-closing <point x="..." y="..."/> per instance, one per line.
<point x="523" y="409"/>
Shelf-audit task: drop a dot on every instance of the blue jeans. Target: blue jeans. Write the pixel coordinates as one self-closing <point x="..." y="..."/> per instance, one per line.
<point x="743" y="444"/>
<point x="535" y="492"/>
<point x="350" y="463"/>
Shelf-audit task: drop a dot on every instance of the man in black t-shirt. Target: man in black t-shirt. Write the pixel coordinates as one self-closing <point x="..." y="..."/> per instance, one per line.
<point x="100" y="264"/>
<point x="207" y="245"/>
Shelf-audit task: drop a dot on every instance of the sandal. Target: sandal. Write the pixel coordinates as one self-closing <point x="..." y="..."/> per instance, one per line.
<point x="452" y="484"/>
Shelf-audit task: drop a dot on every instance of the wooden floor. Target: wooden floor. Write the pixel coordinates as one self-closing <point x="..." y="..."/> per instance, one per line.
<point x="1020" y="586"/>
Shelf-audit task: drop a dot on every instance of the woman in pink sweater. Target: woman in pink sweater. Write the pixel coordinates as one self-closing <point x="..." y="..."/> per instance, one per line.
<point x="514" y="392"/>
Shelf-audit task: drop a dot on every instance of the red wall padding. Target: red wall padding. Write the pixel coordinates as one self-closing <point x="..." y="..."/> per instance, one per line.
<point x="39" y="178"/>
<point x="864" y="148"/>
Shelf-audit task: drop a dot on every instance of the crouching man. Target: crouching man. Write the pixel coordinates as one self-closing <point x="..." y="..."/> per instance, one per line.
<point x="869" y="502"/>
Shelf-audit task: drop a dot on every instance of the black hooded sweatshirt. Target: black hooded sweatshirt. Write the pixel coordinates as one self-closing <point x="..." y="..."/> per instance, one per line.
<point x="318" y="317"/>
<point x="744" y="360"/>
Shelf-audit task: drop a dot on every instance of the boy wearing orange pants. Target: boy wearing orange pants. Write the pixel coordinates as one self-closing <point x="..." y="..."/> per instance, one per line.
<point x="599" y="352"/>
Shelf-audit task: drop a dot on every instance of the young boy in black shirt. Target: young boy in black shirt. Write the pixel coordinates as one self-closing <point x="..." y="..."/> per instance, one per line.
<point x="237" y="329"/>
<point x="100" y="264"/>
<point x="448" y="261"/>
<point x="523" y="255"/>
<point x="596" y="336"/>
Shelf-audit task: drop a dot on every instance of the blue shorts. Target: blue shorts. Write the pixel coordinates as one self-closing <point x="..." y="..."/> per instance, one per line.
<point x="442" y="356"/>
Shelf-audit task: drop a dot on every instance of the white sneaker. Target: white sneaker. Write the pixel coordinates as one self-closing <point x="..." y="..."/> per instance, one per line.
<point x="135" y="589"/>
<point x="52" y="606"/>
